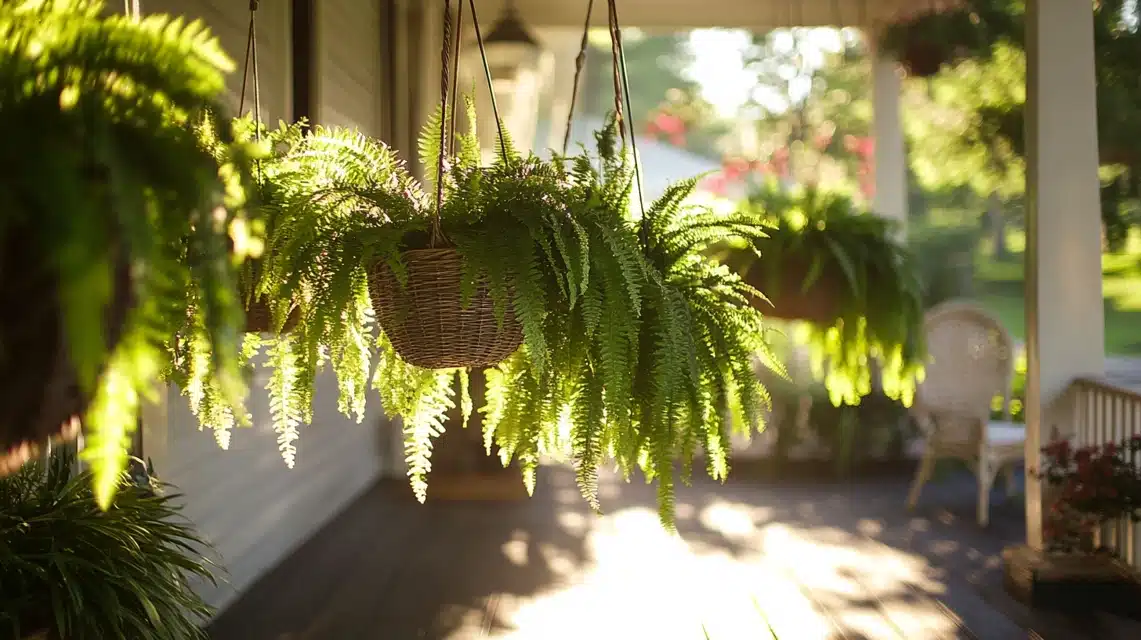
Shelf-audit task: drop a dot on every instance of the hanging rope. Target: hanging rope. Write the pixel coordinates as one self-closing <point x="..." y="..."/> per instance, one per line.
<point x="487" y="75"/>
<point x="459" y="31"/>
<point x="445" y="66"/>
<point x="616" y="71"/>
<point x="449" y="79"/>
<point x="579" y="63"/>
<point x="622" y="79"/>
<point x="252" y="61"/>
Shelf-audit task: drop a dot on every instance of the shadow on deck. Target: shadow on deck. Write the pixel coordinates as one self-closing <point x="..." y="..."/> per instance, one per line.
<point x="801" y="561"/>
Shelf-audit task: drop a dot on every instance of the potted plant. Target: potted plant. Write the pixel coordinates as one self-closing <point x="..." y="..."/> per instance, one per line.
<point x="844" y="273"/>
<point x="1085" y="489"/>
<point x="75" y="571"/>
<point x="655" y="364"/>
<point x="459" y="273"/>
<point x="116" y="218"/>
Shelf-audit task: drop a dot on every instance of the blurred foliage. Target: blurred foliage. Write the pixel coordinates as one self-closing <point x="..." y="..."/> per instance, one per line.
<point x="975" y="136"/>
<point x="945" y="259"/>
<point x="812" y="109"/>
<point x="879" y="317"/>
<point x="656" y="65"/>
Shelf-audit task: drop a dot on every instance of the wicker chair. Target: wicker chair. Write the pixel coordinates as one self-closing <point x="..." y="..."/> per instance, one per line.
<point x="972" y="361"/>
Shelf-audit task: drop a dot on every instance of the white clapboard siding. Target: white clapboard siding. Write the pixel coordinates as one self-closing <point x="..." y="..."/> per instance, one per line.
<point x="349" y="64"/>
<point x="251" y="508"/>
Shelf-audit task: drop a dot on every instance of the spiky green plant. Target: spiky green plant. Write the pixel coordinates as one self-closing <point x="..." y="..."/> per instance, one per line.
<point x="75" y="571"/>
<point x="879" y="323"/>
<point x="112" y="202"/>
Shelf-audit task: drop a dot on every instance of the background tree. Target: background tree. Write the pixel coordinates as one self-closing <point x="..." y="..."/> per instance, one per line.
<point x="988" y="47"/>
<point x="666" y="102"/>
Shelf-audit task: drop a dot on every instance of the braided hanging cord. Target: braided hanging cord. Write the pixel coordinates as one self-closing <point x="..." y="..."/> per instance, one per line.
<point x="579" y="63"/>
<point x="445" y="64"/>
<point x="622" y="90"/>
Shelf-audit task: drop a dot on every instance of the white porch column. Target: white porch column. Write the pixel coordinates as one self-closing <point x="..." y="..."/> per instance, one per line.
<point x="890" y="167"/>
<point x="1065" y="329"/>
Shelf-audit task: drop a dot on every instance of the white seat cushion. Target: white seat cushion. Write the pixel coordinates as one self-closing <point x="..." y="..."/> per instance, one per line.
<point x="1003" y="434"/>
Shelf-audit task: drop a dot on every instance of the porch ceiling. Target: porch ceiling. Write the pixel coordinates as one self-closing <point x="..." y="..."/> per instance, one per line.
<point x="686" y="14"/>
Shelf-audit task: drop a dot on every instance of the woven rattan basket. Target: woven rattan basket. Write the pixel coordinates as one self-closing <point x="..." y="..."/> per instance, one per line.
<point x="259" y="319"/>
<point x="426" y="321"/>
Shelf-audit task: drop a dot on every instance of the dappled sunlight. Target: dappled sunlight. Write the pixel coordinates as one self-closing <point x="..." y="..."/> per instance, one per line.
<point x="738" y="570"/>
<point x="806" y="561"/>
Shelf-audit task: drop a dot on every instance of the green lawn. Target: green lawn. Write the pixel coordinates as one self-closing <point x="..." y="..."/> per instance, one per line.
<point x="1000" y="290"/>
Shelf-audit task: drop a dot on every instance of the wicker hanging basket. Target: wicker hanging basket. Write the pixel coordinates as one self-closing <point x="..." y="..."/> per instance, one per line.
<point x="40" y="394"/>
<point x="259" y="318"/>
<point x="426" y="321"/>
<point x="782" y="282"/>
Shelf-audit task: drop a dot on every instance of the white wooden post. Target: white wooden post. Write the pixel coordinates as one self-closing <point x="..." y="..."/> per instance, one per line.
<point x="890" y="198"/>
<point x="1065" y="325"/>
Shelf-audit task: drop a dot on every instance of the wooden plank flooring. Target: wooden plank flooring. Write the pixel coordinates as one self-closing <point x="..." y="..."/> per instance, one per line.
<point x="794" y="560"/>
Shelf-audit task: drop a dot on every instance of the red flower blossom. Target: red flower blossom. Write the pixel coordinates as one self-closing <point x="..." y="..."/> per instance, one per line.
<point x="714" y="184"/>
<point x="734" y="168"/>
<point x="669" y="124"/>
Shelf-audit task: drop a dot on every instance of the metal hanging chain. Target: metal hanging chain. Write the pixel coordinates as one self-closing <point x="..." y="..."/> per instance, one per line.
<point x="622" y="77"/>
<point x="579" y="63"/>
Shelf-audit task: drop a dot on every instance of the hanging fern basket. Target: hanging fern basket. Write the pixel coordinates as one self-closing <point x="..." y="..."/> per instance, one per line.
<point x="259" y="318"/>
<point x="429" y="323"/>
<point x="783" y="282"/>
<point x="40" y="392"/>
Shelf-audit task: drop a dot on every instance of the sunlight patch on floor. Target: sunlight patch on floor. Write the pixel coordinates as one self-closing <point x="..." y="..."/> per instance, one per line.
<point x="644" y="583"/>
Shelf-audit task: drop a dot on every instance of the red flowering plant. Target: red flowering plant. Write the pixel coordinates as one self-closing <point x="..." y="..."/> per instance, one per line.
<point x="1092" y="485"/>
<point x="665" y="125"/>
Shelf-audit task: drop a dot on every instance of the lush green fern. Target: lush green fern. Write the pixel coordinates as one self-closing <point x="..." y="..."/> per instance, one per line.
<point x="657" y="357"/>
<point x="273" y="187"/>
<point x="356" y="206"/>
<point x="631" y="336"/>
<point x="102" y="119"/>
<point x="880" y="312"/>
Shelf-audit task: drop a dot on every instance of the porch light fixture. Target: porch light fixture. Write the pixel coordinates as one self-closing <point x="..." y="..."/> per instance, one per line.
<point x="510" y="48"/>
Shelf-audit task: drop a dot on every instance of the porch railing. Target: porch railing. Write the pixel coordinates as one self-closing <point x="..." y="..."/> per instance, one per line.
<point x="1106" y="412"/>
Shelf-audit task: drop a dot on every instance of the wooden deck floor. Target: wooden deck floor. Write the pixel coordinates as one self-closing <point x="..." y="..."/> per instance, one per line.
<point x="805" y="561"/>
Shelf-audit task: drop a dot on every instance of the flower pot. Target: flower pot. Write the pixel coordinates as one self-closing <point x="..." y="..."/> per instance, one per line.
<point x="427" y="321"/>
<point x="782" y="282"/>
<point x="259" y="318"/>
<point x="40" y="393"/>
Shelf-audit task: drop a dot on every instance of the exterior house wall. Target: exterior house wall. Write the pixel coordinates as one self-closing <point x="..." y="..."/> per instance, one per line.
<point x="250" y="507"/>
